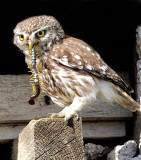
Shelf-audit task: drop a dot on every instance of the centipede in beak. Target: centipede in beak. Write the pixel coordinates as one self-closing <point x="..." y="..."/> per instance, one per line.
<point x="34" y="77"/>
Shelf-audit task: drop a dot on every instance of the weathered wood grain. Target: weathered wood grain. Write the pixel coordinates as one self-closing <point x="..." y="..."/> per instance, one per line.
<point x="51" y="139"/>
<point x="15" y="91"/>
<point x="91" y="130"/>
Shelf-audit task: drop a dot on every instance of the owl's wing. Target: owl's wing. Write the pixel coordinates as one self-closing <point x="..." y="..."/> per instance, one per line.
<point x="79" y="56"/>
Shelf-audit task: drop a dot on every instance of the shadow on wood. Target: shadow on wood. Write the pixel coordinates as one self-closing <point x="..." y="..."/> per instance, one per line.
<point x="49" y="139"/>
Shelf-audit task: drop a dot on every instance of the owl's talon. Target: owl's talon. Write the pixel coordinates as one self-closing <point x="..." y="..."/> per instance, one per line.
<point x="57" y="115"/>
<point x="66" y="116"/>
<point x="69" y="116"/>
<point x="76" y="115"/>
<point x="54" y="115"/>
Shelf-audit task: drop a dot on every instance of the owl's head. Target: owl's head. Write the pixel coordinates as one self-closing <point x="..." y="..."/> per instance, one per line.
<point x="36" y="36"/>
<point x="40" y="32"/>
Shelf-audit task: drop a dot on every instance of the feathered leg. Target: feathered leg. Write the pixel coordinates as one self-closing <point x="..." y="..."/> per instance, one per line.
<point x="69" y="111"/>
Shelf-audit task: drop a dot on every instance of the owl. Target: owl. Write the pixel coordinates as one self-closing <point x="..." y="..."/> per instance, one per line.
<point x="67" y="69"/>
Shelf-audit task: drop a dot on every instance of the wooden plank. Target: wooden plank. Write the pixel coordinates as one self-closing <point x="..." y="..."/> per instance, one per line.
<point x="94" y="130"/>
<point x="15" y="91"/>
<point x="103" y="130"/>
<point x="10" y="132"/>
<point x="51" y="139"/>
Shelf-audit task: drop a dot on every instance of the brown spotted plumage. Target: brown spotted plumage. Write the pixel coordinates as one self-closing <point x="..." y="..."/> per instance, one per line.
<point x="67" y="69"/>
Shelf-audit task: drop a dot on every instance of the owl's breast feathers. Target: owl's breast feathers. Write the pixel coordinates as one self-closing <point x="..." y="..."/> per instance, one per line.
<point x="76" y="55"/>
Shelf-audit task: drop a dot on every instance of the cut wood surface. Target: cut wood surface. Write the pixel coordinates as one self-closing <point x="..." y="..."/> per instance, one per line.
<point x="93" y="130"/>
<point x="15" y="91"/>
<point x="50" y="139"/>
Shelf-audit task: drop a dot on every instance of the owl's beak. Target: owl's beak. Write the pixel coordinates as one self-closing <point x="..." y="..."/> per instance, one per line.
<point x="30" y="44"/>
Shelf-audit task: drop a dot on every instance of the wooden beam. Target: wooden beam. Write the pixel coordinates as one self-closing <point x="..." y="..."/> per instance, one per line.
<point x="50" y="139"/>
<point x="15" y="91"/>
<point x="103" y="130"/>
<point x="91" y="130"/>
<point x="10" y="132"/>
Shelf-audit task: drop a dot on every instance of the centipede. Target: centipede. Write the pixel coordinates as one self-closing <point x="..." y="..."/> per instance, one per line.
<point x="34" y="78"/>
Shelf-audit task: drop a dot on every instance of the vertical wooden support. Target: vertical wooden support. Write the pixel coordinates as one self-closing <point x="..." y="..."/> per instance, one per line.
<point x="50" y="139"/>
<point x="137" y="130"/>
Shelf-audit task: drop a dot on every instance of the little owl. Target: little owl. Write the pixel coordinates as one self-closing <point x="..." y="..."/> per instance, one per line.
<point x="67" y="69"/>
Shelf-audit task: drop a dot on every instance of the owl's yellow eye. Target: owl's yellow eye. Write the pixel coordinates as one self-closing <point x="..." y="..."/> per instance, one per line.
<point x="21" y="37"/>
<point x="40" y="33"/>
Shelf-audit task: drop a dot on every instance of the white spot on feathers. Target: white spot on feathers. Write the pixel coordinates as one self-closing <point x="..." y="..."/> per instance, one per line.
<point x="76" y="57"/>
<point x="88" y="49"/>
<point x="103" y="68"/>
<point x="65" y="56"/>
<point x="89" y="67"/>
<point x="98" y="56"/>
<point x="79" y="63"/>
<point x="65" y="59"/>
<point x="72" y="53"/>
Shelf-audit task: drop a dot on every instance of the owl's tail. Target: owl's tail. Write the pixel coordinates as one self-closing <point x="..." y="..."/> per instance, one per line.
<point x="111" y="93"/>
<point x="126" y="101"/>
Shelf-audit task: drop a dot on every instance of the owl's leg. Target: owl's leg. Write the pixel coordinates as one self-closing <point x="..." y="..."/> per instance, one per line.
<point x="69" y="111"/>
<point x="63" y="114"/>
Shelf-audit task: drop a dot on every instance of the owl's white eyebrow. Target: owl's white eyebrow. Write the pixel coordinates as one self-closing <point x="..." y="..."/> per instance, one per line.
<point x="42" y="28"/>
<point x="21" y="33"/>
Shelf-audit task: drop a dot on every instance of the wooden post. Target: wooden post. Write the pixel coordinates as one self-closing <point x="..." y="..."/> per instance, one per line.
<point x="50" y="139"/>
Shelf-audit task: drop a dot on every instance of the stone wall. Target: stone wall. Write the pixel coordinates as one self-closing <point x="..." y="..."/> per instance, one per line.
<point x="137" y="130"/>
